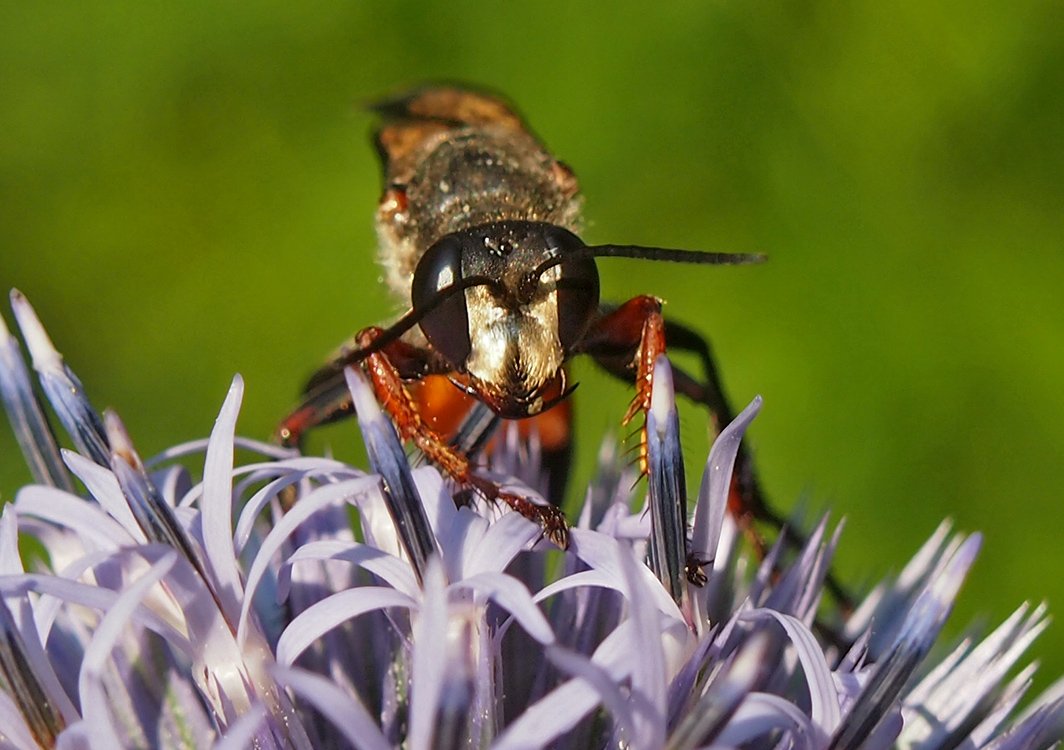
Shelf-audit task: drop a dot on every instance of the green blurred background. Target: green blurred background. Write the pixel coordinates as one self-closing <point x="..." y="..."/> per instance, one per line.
<point x="186" y="192"/>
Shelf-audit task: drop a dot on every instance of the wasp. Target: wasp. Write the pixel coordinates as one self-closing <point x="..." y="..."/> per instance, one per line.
<point x="478" y="227"/>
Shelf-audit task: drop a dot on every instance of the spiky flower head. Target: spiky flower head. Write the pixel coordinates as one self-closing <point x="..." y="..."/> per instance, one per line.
<point x="183" y="610"/>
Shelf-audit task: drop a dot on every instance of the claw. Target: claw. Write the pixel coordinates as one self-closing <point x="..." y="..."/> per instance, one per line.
<point x="693" y="570"/>
<point x="551" y="519"/>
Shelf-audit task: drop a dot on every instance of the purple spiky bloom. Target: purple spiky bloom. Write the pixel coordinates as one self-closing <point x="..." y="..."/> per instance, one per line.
<point x="177" y="613"/>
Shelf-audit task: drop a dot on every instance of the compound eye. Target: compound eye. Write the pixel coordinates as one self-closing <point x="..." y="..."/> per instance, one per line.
<point x="446" y="324"/>
<point x="578" y="300"/>
<point x="577" y="284"/>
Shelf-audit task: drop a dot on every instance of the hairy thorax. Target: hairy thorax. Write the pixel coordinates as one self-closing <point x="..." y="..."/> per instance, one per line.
<point x="464" y="178"/>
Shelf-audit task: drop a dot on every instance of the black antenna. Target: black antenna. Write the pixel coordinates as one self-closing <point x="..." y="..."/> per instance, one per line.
<point x="399" y="327"/>
<point x="669" y="255"/>
<point x="412" y="318"/>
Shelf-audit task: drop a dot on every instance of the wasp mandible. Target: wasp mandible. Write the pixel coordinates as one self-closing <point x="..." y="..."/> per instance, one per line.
<point x="478" y="229"/>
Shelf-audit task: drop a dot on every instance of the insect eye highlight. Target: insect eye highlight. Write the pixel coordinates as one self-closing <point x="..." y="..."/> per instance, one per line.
<point x="447" y="325"/>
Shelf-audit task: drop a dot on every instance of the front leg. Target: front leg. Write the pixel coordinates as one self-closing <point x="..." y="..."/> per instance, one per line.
<point x="395" y="399"/>
<point x="626" y="342"/>
<point x="387" y="369"/>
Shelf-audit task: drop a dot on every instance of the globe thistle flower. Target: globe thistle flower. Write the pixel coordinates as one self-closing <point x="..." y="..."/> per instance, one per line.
<point x="174" y="611"/>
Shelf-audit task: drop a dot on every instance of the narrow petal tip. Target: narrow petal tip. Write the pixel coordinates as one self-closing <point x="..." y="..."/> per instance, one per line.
<point x="42" y="350"/>
<point x="118" y="437"/>
<point x="366" y="406"/>
<point x="662" y="396"/>
<point x="388" y="459"/>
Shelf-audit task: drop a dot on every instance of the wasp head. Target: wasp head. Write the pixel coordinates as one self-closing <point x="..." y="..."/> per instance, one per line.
<point x="507" y="333"/>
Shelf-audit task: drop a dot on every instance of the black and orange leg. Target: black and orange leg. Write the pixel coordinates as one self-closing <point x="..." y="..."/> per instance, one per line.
<point x="329" y="401"/>
<point x="746" y="495"/>
<point x="326" y="398"/>
<point x="470" y="427"/>
<point x="395" y="399"/>
<point x="746" y="500"/>
<point x="626" y="342"/>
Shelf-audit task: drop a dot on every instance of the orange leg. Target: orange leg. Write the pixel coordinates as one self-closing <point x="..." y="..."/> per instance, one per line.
<point x="627" y="342"/>
<point x="469" y="425"/>
<point x="396" y="400"/>
<point x="327" y="400"/>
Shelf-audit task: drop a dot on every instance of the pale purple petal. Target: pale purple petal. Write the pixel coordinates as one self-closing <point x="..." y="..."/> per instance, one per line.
<point x="716" y="482"/>
<point x="648" y="669"/>
<point x="310" y="624"/>
<point x="390" y="569"/>
<point x="197" y="447"/>
<point x="461" y="539"/>
<point x="89" y="521"/>
<point x="438" y="501"/>
<point x="887" y="604"/>
<point x="323" y="497"/>
<point x="930" y="610"/>
<point x="823" y="696"/>
<point x="345" y="711"/>
<point x="604" y="553"/>
<point x="14" y="733"/>
<point x="242" y="732"/>
<point x="919" y="629"/>
<point x="154" y="517"/>
<point x="726" y="693"/>
<point x="1042" y="727"/>
<point x="502" y="542"/>
<point x="666" y="485"/>
<point x="544" y="721"/>
<point x="76" y="737"/>
<point x="513" y="596"/>
<point x="85" y="595"/>
<point x="761" y="713"/>
<point x="885" y="736"/>
<point x="388" y="459"/>
<point x="249" y="513"/>
<point x="20" y="677"/>
<point x="607" y="688"/>
<point x="103" y="732"/>
<point x="430" y="635"/>
<point x="24" y="625"/>
<point x="217" y="505"/>
<point x="937" y="709"/>
<point x="560" y="710"/>
<point x="798" y="590"/>
<point x="62" y="387"/>
<point x="10" y="560"/>
<point x="988" y="661"/>
<point x="1047" y="714"/>
<point x="1004" y="706"/>
<point x="583" y="579"/>
<point x="103" y="485"/>
<point x="24" y="411"/>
